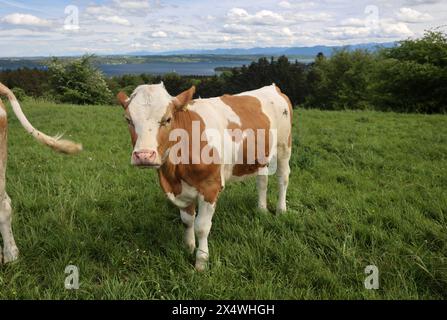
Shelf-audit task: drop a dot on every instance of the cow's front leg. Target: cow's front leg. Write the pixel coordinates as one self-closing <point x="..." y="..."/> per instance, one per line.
<point x="10" y="251"/>
<point x="188" y="216"/>
<point x="202" y="228"/>
<point x="262" y="182"/>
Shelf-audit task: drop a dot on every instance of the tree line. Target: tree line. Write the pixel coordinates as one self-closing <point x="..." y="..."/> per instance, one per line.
<point x="411" y="77"/>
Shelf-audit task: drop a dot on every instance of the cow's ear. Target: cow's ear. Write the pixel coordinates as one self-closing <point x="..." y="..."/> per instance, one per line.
<point x="184" y="98"/>
<point x="123" y="99"/>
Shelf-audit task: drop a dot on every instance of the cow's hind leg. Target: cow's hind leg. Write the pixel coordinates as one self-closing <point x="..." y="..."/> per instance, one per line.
<point x="188" y="216"/>
<point x="10" y="251"/>
<point x="262" y="182"/>
<point x="283" y="174"/>
<point x="202" y="228"/>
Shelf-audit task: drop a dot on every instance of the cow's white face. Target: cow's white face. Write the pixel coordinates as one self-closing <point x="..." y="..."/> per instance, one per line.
<point x="149" y="112"/>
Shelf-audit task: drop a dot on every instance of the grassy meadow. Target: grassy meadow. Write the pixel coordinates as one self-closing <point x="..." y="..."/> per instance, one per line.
<point x="366" y="188"/>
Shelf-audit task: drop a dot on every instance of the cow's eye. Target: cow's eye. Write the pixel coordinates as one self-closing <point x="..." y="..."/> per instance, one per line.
<point x="164" y="122"/>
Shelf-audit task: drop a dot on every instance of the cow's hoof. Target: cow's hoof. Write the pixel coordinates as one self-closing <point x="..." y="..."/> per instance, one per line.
<point x="10" y="255"/>
<point x="201" y="266"/>
<point x="281" y="210"/>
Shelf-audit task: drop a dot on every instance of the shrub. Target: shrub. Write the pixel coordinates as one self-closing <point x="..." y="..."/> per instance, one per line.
<point x="341" y="82"/>
<point x="19" y="93"/>
<point x="78" y="82"/>
<point x="413" y="76"/>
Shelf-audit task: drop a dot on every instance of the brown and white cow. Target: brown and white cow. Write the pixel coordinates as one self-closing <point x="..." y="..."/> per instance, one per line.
<point x="215" y="129"/>
<point x="10" y="251"/>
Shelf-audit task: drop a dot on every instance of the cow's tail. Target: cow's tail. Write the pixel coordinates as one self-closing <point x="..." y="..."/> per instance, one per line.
<point x="56" y="143"/>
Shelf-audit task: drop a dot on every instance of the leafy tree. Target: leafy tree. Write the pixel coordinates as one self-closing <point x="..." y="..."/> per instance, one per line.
<point x="211" y="86"/>
<point x="341" y="82"/>
<point x="290" y="77"/>
<point x="34" y="82"/>
<point x="174" y="83"/>
<point x="78" y="82"/>
<point x="412" y="77"/>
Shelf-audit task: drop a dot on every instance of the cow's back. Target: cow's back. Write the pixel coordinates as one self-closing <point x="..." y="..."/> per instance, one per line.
<point x="278" y="109"/>
<point x="266" y="108"/>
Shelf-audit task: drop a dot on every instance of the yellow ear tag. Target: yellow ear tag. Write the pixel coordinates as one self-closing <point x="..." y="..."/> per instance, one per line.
<point x="185" y="107"/>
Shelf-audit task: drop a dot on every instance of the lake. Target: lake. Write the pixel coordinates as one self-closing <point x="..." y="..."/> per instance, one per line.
<point x="201" y="68"/>
<point x="181" y="68"/>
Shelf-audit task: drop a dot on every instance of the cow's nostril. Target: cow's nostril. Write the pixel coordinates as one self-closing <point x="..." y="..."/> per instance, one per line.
<point x="145" y="156"/>
<point x="139" y="155"/>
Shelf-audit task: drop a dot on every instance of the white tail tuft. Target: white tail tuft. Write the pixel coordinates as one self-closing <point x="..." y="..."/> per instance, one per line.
<point x="56" y="143"/>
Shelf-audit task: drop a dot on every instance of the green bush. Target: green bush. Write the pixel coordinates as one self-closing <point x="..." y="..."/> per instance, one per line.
<point x="19" y="93"/>
<point x="78" y="82"/>
<point x="34" y="82"/>
<point x="413" y="76"/>
<point x="341" y="82"/>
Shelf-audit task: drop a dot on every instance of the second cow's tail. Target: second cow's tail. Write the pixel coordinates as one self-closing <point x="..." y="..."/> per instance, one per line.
<point x="56" y="143"/>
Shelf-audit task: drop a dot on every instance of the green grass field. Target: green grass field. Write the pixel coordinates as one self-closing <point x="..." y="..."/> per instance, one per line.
<point x="367" y="188"/>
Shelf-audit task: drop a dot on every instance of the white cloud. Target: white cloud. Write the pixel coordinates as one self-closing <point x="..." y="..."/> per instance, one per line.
<point x="413" y="16"/>
<point x="353" y="22"/>
<point x="286" y="31"/>
<point x="132" y="4"/>
<point x="354" y="29"/>
<point x="263" y="17"/>
<point x="422" y="2"/>
<point x="399" y="29"/>
<point x="297" y="5"/>
<point x="238" y="13"/>
<point x="100" y="10"/>
<point x="285" y="4"/>
<point x="119" y="8"/>
<point x="138" y="45"/>
<point x="115" y="20"/>
<point x="159" y="34"/>
<point x="183" y="34"/>
<point x="312" y="17"/>
<point x="238" y="16"/>
<point x="348" y="32"/>
<point x="235" y="28"/>
<point x="20" y="19"/>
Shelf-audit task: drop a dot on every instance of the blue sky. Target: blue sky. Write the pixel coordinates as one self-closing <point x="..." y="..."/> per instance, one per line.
<point x="50" y="27"/>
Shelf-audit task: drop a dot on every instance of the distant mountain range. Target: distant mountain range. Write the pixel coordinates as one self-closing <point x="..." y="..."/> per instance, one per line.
<point x="270" y="51"/>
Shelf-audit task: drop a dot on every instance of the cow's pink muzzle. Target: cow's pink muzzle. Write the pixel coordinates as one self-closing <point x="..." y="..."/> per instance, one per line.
<point x="145" y="158"/>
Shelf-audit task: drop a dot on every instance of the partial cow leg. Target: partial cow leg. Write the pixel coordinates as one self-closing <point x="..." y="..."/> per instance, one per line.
<point x="10" y="251"/>
<point x="283" y="179"/>
<point x="202" y="228"/>
<point x="262" y="182"/>
<point x="188" y="216"/>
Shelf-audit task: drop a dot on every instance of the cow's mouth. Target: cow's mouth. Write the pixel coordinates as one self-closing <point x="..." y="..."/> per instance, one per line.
<point x="148" y="166"/>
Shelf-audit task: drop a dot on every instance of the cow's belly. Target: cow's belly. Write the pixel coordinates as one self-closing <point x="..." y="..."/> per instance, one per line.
<point x="234" y="178"/>
<point x="229" y="176"/>
<point x="185" y="198"/>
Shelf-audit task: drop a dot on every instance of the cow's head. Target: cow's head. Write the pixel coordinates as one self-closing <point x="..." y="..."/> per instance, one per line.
<point x="150" y="113"/>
